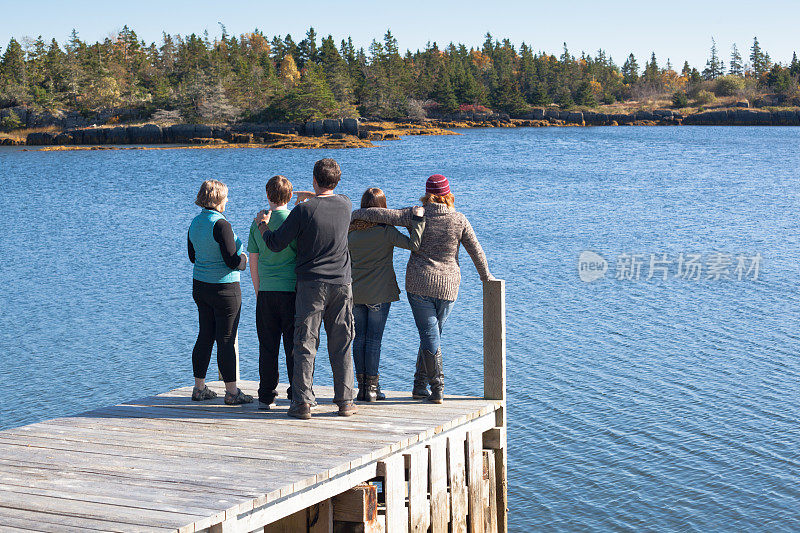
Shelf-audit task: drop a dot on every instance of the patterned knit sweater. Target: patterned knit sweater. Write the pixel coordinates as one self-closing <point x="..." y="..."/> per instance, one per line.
<point x="434" y="270"/>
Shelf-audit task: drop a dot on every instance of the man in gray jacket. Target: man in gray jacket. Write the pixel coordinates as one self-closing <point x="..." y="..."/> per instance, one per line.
<point x="324" y="295"/>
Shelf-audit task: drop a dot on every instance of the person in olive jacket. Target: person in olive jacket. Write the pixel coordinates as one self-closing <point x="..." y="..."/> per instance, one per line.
<point x="375" y="287"/>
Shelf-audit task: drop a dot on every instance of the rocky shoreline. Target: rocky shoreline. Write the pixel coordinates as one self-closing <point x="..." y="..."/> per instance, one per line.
<point x="359" y="133"/>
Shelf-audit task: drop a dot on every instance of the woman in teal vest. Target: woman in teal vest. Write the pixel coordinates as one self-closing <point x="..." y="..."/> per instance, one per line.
<point x="218" y="256"/>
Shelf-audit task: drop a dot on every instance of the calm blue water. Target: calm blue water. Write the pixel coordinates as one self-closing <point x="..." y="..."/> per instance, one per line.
<point x="633" y="405"/>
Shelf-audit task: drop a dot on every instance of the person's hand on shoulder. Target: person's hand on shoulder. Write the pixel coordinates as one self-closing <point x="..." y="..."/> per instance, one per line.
<point x="262" y="217"/>
<point x="418" y="211"/>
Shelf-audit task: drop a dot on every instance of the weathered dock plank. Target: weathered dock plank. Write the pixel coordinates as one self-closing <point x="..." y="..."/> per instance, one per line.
<point x="165" y="463"/>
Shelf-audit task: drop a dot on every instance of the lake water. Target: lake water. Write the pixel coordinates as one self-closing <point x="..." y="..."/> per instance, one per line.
<point x="634" y="404"/>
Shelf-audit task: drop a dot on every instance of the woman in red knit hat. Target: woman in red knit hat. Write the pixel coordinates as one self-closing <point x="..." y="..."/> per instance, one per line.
<point x="433" y="274"/>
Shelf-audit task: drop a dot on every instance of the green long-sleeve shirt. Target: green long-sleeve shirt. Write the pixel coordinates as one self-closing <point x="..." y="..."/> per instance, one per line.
<point x="276" y="270"/>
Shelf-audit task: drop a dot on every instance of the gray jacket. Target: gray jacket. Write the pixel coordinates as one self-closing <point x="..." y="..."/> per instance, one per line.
<point x="372" y="260"/>
<point x="434" y="270"/>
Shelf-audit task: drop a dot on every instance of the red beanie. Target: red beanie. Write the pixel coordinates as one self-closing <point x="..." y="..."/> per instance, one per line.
<point x="438" y="185"/>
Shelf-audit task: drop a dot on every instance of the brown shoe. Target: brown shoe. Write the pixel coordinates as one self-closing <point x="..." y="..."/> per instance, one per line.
<point x="300" y="410"/>
<point x="347" y="409"/>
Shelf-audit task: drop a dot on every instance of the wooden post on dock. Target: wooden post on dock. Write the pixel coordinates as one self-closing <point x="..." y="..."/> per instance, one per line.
<point x="494" y="386"/>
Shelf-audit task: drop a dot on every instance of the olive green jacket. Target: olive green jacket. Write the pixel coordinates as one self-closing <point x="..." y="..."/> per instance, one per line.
<point x="371" y="257"/>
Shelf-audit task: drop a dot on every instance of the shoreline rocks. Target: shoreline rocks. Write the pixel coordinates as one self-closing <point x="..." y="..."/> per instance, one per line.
<point x="359" y="132"/>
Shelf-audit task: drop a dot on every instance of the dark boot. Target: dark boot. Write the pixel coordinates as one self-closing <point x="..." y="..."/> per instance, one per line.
<point x="371" y="388"/>
<point x="381" y="396"/>
<point x="420" y="390"/>
<point x="435" y="371"/>
<point x="361" y="385"/>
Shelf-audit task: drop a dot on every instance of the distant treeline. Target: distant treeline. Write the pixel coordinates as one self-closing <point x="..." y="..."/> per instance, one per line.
<point x="254" y="78"/>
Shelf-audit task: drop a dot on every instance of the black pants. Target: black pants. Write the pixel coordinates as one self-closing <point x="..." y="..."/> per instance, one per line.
<point x="219" y="306"/>
<point x="274" y="319"/>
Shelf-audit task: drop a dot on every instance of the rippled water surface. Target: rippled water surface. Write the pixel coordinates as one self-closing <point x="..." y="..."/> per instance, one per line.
<point x="668" y="405"/>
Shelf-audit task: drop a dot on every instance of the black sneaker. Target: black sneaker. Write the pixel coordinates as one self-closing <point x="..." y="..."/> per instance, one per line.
<point x="300" y="410"/>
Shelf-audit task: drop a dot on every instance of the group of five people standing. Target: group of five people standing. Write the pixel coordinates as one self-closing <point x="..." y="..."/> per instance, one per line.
<point x="323" y="264"/>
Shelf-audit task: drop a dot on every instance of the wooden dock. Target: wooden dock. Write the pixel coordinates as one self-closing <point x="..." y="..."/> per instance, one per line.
<point x="165" y="463"/>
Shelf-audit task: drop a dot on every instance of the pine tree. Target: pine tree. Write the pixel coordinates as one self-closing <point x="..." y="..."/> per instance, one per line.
<point x="307" y="49"/>
<point x="735" y="67"/>
<point x="652" y="74"/>
<point x="714" y="66"/>
<point x="335" y="70"/>
<point x="444" y="94"/>
<point x="794" y="67"/>
<point x="290" y="48"/>
<point x="758" y="59"/>
<point x="630" y="70"/>
<point x="12" y="64"/>
<point x="509" y="99"/>
<point x="539" y="95"/>
<point x="585" y="96"/>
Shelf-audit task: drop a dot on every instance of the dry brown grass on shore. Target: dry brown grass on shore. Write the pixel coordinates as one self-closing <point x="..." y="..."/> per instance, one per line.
<point x="285" y="141"/>
<point x="22" y="134"/>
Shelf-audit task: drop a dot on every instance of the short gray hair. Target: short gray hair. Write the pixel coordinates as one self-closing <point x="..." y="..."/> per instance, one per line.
<point x="211" y="194"/>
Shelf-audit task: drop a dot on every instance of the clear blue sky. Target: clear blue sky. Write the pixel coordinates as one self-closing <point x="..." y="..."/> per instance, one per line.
<point x="675" y="29"/>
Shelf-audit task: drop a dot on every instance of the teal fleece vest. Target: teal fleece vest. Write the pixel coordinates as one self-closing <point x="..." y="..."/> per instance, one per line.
<point x="208" y="264"/>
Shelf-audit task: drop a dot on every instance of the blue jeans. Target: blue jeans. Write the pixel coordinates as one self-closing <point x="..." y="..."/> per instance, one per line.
<point x="370" y="321"/>
<point x="430" y="314"/>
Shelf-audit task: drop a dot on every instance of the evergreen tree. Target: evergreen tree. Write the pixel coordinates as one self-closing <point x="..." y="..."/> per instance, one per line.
<point x="564" y="98"/>
<point x="794" y="67"/>
<point x="585" y="96"/>
<point x="307" y="49"/>
<point x="780" y="80"/>
<point x="12" y="64"/>
<point x="539" y="96"/>
<point x="336" y="71"/>
<point x="652" y="74"/>
<point x="488" y="45"/>
<point x="758" y="59"/>
<point x="736" y="68"/>
<point x="444" y="94"/>
<point x="509" y="99"/>
<point x="714" y="66"/>
<point x="290" y="48"/>
<point x="630" y="70"/>
<point x="686" y="70"/>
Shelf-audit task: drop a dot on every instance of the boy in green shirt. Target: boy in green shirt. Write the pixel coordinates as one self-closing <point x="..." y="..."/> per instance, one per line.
<point x="275" y="281"/>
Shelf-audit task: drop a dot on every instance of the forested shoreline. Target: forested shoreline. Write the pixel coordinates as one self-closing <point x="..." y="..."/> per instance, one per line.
<point x="255" y="78"/>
